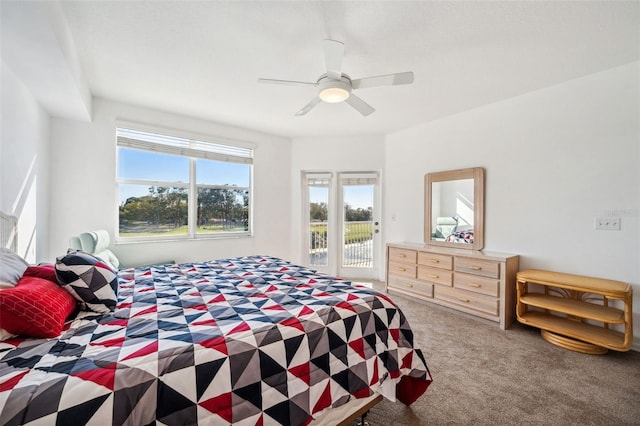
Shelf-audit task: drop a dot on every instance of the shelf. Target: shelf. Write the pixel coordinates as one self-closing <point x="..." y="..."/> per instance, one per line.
<point x="569" y="319"/>
<point x="608" y="288"/>
<point x="577" y="330"/>
<point x="574" y="307"/>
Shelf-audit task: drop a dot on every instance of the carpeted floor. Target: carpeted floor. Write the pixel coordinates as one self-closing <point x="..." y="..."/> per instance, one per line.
<point x="487" y="376"/>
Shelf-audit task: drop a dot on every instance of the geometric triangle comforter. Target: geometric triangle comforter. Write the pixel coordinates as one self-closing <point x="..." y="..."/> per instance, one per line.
<point x="244" y="341"/>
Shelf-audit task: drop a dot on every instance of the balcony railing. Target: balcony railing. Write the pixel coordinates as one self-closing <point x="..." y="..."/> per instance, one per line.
<point x="358" y="244"/>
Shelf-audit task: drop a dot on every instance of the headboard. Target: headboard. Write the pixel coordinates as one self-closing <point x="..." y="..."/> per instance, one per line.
<point x="9" y="231"/>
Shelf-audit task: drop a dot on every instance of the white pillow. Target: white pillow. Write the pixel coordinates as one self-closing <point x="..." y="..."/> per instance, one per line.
<point x="12" y="267"/>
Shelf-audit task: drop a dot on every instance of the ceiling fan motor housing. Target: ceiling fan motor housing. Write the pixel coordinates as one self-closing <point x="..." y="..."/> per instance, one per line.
<point x="333" y="91"/>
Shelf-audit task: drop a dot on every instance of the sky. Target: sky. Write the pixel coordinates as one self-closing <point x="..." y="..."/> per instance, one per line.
<point x="155" y="166"/>
<point x="356" y="196"/>
<point x="146" y="165"/>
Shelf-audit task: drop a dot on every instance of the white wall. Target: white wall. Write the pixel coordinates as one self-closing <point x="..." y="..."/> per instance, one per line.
<point x="24" y="165"/>
<point x="328" y="154"/>
<point x="555" y="159"/>
<point x="83" y="157"/>
<point x="38" y="46"/>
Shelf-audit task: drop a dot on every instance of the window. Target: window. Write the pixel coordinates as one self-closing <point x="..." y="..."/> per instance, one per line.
<point x="173" y="187"/>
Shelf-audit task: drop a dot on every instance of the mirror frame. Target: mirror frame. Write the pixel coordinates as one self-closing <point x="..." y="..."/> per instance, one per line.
<point x="475" y="173"/>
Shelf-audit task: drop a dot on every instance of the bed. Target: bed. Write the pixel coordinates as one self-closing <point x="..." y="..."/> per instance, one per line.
<point x="244" y="341"/>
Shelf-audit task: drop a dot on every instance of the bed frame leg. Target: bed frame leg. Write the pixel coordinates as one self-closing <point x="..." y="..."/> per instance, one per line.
<point x="362" y="421"/>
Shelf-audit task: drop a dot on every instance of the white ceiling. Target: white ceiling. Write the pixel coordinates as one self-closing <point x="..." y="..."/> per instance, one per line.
<point x="203" y="58"/>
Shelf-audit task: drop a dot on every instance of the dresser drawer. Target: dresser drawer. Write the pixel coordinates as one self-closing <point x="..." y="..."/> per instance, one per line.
<point x="435" y="260"/>
<point x="402" y="270"/>
<point x="479" y="284"/>
<point x="488" y="268"/>
<point x="405" y="284"/>
<point x="476" y="301"/>
<point x="402" y="255"/>
<point x="434" y="275"/>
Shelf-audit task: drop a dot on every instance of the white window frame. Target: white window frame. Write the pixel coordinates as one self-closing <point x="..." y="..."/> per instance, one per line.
<point x="193" y="147"/>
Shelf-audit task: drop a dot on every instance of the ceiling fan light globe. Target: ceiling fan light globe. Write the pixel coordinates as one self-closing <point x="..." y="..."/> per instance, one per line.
<point x="334" y="91"/>
<point x="334" y="95"/>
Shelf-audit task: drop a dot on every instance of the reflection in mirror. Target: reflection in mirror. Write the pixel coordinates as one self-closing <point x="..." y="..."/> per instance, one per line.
<point x="454" y="208"/>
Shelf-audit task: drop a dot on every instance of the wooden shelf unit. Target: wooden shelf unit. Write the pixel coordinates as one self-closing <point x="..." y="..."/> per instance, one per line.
<point x="564" y="307"/>
<point x="479" y="283"/>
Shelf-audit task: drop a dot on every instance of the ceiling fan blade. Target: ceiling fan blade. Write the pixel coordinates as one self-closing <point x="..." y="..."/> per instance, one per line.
<point x="287" y="82"/>
<point x="358" y="104"/>
<point x="383" y="80"/>
<point x="333" y="54"/>
<point x="308" y="106"/>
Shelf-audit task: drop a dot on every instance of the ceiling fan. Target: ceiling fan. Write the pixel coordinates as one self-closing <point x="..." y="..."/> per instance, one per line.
<point x="335" y="87"/>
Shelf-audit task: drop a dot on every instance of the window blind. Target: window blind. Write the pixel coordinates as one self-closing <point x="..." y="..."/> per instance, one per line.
<point x="318" y="179"/>
<point x="359" y="179"/>
<point x="181" y="146"/>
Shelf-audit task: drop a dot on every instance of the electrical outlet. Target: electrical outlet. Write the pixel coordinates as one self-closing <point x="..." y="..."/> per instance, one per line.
<point x="608" y="223"/>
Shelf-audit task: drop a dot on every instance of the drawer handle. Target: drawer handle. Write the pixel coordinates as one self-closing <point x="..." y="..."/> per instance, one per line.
<point x="402" y="269"/>
<point x="402" y="255"/>
<point x="475" y="285"/>
<point x="476" y="268"/>
<point x="434" y="276"/>
<point x="434" y="260"/>
<point x="462" y="299"/>
<point x="409" y="285"/>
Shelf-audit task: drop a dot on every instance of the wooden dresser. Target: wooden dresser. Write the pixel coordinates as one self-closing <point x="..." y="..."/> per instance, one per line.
<point x="480" y="283"/>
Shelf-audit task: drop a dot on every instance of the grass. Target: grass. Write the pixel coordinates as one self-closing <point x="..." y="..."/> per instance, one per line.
<point x="354" y="231"/>
<point x="178" y="231"/>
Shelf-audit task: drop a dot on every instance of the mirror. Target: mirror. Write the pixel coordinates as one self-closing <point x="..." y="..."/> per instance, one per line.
<point x="454" y="208"/>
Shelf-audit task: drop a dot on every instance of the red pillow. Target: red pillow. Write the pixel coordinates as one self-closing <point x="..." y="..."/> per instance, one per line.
<point x="48" y="272"/>
<point x="35" y="307"/>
